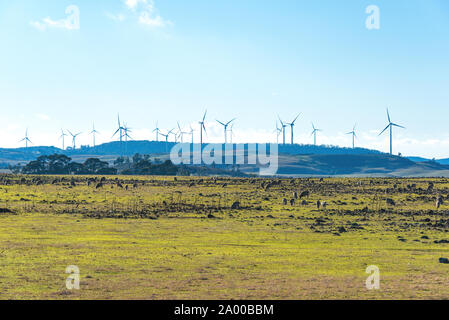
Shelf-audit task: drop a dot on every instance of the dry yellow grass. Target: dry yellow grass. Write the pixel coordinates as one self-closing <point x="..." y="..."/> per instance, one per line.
<point x="166" y="240"/>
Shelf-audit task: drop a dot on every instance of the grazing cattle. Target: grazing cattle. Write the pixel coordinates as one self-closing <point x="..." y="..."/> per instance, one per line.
<point x="284" y="202"/>
<point x="126" y="187"/>
<point x="135" y="186"/>
<point x="390" y="202"/>
<point x="324" y="205"/>
<point x="292" y="202"/>
<point x="119" y="185"/>
<point x="304" y="203"/>
<point x="235" y="205"/>
<point x="99" y="185"/>
<point x="295" y="195"/>
<point x="304" y="194"/>
<point x="318" y="204"/>
<point x="191" y="184"/>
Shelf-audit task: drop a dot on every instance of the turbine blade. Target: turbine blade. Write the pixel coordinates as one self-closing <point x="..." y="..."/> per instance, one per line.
<point x="296" y="119"/>
<point x="384" y="130"/>
<point x="282" y="123"/>
<point x="388" y="115"/>
<point x="396" y="125"/>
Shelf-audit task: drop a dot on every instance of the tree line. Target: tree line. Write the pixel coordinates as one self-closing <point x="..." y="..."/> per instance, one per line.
<point x="59" y="164"/>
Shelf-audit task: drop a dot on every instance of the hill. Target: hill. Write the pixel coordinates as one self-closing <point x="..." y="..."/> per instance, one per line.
<point x="294" y="160"/>
<point x="380" y="165"/>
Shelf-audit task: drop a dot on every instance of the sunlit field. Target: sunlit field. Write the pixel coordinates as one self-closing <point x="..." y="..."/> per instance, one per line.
<point x="223" y="238"/>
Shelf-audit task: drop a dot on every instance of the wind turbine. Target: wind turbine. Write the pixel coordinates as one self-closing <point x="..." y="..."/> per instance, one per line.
<point x="119" y="130"/>
<point x="125" y="132"/>
<point x="202" y="126"/>
<point x="26" y="139"/>
<point x="231" y="131"/>
<point x="181" y="133"/>
<point x="292" y="125"/>
<point x="283" y="130"/>
<point x="191" y="133"/>
<point x="74" y="136"/>
<point x="157" y="130"/>
<point x="315" y="130"/>
<point x="166" y="141"/>
<point x="390" y="126"/>
<point x="93" y="133"/>
<point x="166" y="138"/>
<point x="354" y="135"/>
<point x="278" y="132"/>
<point x="225" y="125"/>
<point x="63" y="134"/>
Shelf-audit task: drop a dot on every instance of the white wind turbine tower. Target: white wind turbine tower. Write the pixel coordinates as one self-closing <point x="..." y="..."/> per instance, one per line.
<point x="173" y="133"/>
<point x="202" y="126"/>
<point x="119" y="130"/>
<point x="125" y="132"/>
<point x="94" y="133"/>
<point x="231" y="132"/>
<point x="191" y="133"/>
<point x="283" y="130"/>
<point x="26" y="139"/>
<point x="225" y="126"/>
<point x="63" y="134"/>
<point x="157" y="130"/>
<point x="166" y="138"/>
<point x="315" y="130"/>
<point x="278" y="132"/>
<point x="181" y="133"/>
<point x="390" y="126"/>
<point x="74" y="136"/>
<point x="292" y="125"/>
<point x="354" y="135"/>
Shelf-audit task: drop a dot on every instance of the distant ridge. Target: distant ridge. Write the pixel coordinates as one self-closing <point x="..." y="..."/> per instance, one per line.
<point x="294" y="160"/>
<point x="152" y="147"/>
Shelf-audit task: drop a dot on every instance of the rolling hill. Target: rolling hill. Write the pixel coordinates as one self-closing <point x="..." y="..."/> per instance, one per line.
<point x="294" y="160"/>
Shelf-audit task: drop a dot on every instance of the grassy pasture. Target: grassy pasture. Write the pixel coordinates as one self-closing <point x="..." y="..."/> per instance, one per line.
<point x="167" y="239"/>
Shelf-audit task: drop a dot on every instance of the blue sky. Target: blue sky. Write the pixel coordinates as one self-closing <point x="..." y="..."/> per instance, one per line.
<point x="169" y="60"/>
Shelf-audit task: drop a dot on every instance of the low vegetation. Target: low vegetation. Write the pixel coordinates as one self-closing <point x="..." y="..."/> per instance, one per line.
<point x="136" y="237"/>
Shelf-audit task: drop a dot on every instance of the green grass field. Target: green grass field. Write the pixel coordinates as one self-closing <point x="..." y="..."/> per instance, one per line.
<point x="167" y="239"/>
